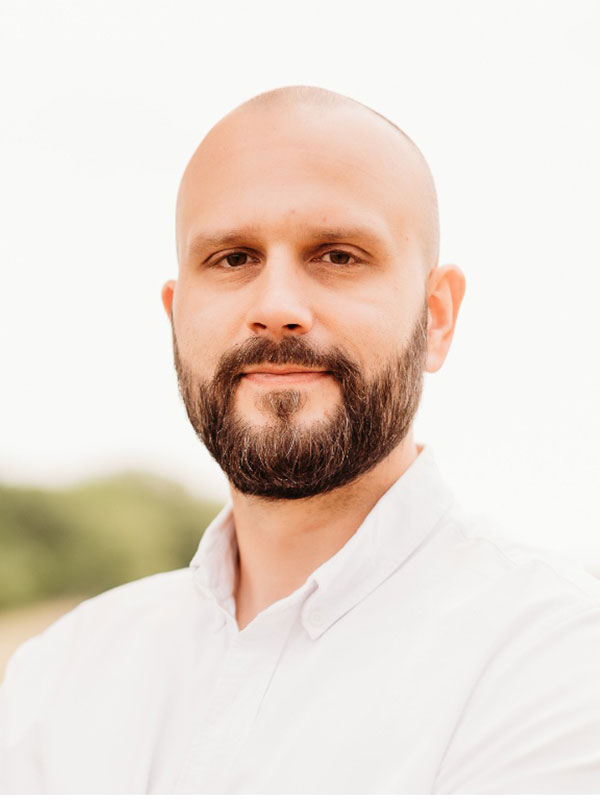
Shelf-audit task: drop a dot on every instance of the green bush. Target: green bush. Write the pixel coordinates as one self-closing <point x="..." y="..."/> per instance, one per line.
<point x="95" y="536"/>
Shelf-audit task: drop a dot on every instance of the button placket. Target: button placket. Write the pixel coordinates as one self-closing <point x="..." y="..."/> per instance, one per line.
<point x="238" y="694"/>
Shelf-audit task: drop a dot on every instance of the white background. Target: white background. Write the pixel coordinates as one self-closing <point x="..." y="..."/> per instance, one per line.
<point x="102" y="104"/>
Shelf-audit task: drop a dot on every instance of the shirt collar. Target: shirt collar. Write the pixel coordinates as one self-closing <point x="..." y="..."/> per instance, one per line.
<point x="401" y="520"/>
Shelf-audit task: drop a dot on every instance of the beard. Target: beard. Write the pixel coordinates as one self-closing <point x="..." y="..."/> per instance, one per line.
<point x="284" y="459"/>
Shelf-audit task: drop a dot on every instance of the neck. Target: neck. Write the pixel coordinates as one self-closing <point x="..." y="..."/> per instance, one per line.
<point x="281" y="542"/>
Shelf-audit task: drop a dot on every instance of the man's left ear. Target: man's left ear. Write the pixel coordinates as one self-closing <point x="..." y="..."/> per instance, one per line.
<point x="445" y="291"/>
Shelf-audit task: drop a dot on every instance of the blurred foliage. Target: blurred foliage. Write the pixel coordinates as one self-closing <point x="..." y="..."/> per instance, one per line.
<point x="89" y="538"/>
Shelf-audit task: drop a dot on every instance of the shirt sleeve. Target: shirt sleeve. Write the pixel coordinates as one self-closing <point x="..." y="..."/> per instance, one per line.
<point x="31" y="679"/>
<point x="532" y="724"/>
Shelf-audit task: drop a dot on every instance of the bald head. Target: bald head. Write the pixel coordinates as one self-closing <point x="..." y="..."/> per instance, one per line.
<point x="317" y="98"/>
<point x="321" y="120"/>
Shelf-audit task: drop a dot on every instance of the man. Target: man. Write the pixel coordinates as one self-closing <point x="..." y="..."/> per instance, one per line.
<point x="342" y="627"/>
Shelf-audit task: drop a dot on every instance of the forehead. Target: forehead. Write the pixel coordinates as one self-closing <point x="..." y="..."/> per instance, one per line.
<point x="282" y="171"/>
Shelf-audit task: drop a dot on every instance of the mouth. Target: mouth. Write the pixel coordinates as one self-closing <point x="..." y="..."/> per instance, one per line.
<point x="272" y="374"/>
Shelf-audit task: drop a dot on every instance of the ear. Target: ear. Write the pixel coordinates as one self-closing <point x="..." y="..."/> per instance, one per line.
<point x="445" y="291"/>
<point x="167" y="293"/>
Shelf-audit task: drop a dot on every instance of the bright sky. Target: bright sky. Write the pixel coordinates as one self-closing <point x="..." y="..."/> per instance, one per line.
<point x="102" y="105"/>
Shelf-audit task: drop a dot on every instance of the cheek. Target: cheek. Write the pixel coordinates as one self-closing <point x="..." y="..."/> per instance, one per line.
<point x="206" y="326"/>
<point x="373" y="330"/>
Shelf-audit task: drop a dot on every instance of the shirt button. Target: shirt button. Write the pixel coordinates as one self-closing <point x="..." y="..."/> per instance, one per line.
<point x="316" y="617"/>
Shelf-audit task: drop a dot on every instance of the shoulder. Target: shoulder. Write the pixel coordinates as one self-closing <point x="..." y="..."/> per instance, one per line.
<point x="531" y="720"/>
<point x="150" y="600"/>
<point x="155" y="596"/>
<point x="482" y="562"/>
<point x="502" y="607"/>
<point x="123" y="619"/>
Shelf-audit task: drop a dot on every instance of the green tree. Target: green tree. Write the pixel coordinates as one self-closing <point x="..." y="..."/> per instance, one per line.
<point x="92" y="537"/>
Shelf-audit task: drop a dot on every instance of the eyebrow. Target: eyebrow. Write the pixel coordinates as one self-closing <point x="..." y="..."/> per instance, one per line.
<point x="229" y="238"/>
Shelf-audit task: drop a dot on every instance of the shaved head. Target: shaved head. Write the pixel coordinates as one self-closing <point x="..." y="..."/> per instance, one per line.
<point x="300" y="106"/>
<point x="315" y="97"/>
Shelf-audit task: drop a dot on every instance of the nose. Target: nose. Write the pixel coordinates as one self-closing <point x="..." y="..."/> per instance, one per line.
<point x="279" y="305"/>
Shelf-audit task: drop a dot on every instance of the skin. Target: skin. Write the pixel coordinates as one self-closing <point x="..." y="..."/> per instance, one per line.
<point x="290" y="185"/>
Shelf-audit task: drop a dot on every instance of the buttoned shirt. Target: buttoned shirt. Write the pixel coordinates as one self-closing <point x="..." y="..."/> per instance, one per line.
<point x="423" y="657"/>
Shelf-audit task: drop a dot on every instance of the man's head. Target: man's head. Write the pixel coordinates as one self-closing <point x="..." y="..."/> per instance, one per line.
<point x="307" y="237"/>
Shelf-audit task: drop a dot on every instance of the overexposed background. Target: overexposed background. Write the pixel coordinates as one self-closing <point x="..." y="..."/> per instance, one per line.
<point x="102" y="104"/>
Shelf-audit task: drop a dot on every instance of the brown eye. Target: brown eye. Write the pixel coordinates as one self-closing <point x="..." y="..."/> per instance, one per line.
<point x="339" y="257"/>
<point x="236" y="259"/>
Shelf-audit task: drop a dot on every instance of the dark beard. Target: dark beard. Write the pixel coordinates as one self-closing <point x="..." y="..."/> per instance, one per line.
<point x="283" y="460"/>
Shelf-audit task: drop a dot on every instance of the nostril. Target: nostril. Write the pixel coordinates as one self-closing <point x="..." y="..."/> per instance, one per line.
<point x="291" y="326"/>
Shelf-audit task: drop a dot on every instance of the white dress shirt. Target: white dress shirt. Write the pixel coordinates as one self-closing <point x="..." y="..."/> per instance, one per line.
<point x="423" y="657"/>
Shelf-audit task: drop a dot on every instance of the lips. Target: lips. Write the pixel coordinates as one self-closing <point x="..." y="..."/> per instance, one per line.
<point x="270" y="374"/>
<point x="287" y="369"/>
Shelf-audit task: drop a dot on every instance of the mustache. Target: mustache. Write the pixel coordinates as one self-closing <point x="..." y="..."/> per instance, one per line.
<point x="289" y="350"/>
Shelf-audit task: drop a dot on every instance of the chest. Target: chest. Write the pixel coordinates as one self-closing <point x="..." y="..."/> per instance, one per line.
<point x="368" y="707"/>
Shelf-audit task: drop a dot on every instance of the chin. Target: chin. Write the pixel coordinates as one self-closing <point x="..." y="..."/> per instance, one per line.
<point x="291" y="410"/>
<point x="294" y="406"/>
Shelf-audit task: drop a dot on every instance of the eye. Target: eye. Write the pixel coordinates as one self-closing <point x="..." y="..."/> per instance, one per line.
<point x="339" y="257"/>
<point x="237" y="259"/>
